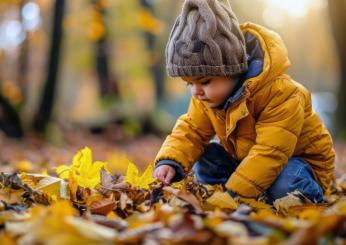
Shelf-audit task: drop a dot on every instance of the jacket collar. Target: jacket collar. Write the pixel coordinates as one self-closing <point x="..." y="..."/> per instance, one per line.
<point x="255" y="63"/>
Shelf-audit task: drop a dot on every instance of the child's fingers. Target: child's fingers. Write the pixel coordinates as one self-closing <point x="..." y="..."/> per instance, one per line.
<point x="169" y="176"/>
<point x="160" y="175"/>
<point x="164" y="174"/>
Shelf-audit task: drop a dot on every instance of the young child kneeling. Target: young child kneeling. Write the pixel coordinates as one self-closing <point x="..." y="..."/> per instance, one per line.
<point x="269" y="140"/>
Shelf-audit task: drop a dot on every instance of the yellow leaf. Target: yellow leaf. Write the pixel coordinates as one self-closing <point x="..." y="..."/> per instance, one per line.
<point x="53" y="187"/>
<point x="24" y="166"/>
<point x="45" y="173"/>
<point x="146" y="178"/>
<point x="85" y="172"/>
<point x="257" y="205"/>
<point x="132" y="177"/>
<point x="6" y="239"/>
<point x="117" y="163"/>
<point x="131" y="174"/>
<point x="178" y="185"/>
<point x="63" y="171"/>
<point x="57" y="224"/>
<point x="222" y="200"/>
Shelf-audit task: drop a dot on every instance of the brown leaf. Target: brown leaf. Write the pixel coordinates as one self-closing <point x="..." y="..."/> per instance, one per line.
<point x="284" y="204"/>
<point x="308" y="211"/>
<point x="107" y="182"/>
<point x="184" y="195"/>
<point x="124" y="201"/>
<point x="312" y="233"/>
<point x="115" y="223"/>
<point x="187" y="229"/>
<point x="268" y="218"/>
<point x="134" y="236"/>
<point x="102" y="206"/>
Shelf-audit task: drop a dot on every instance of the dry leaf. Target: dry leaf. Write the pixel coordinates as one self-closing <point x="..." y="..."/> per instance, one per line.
<point x="93" y="231"/>
<point x="107" y="182"/>
<point x="102" y="206"/>
<point x="230" y="228"/>
<point x="184" y="195"/>
<point x="86" y="173"/>
<point x="257" y="205"/>
<point x="54" y="187"/>
<point x="222" y="200"/>
<point x="143" y="181"/>
<point x="284" y="204"/>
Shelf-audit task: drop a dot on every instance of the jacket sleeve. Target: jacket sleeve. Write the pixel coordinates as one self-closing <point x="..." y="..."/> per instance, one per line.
<point x="277" y="130"/>
<point x="189" y="137"/>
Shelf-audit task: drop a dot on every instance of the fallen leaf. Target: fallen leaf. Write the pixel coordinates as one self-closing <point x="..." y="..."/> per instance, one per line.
<point x="230" y="228"/>
<point x="91" y="230"/>
<point x="7" y="239"/>
<point x="124" y="201"/>
<point x="102" y="206"/>
<point x="49" y="185"/>
<point x="284" y="204"/>
<point x="222" y="200"/>
<point x="86" y="172"/>
<point x="117" y="163"/>
<point x="184" y="195"/>
<point x="143" y="181"/>
<point x="114" y="223"/>
<point x="107" y="182"/>
<point x="24" y="166"/>
<point x="257" y="205"/>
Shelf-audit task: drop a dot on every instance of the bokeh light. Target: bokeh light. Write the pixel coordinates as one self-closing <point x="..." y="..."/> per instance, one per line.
<point x="11" y="33"/>
<point x="276" y="11"/>
<point x="31" y="16"/>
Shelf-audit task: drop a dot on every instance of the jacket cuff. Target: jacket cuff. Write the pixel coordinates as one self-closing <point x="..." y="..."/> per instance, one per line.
<point x="243" y="187"/>
<point x="179" y="171"/>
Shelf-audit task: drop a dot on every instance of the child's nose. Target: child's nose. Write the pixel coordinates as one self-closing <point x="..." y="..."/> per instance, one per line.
<point x="196" y="90"/>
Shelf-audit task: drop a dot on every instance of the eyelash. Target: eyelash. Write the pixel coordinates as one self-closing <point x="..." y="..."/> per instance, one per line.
<point x="205" y="82"/>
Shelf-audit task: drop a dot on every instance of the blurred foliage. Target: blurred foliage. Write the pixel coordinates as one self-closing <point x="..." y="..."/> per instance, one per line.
<point x="308" y="38"/>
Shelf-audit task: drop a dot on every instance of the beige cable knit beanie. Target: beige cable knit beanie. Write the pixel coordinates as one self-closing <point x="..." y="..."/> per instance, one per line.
<point x="206" y="40"/>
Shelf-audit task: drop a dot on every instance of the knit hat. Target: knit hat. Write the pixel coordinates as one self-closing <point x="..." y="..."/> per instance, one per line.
<point x="206" y="40"/>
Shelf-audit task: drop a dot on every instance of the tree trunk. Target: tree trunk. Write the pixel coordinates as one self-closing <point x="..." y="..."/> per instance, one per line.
<point x="10" y="122"/>
<point x="44" y="112"/>
<point x="157" y="70"/>
<point x="108" y="83"/>
<point x="337" y="11"/>
<point x="23" y="60"/>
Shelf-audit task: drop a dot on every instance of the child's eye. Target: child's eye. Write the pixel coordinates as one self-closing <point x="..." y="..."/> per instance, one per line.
<point x="205" y="82"/>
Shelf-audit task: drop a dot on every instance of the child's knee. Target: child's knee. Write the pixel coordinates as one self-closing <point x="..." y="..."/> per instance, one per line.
<point x="297" y="175"/>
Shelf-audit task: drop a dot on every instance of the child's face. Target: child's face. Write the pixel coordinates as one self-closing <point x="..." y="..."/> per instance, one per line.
<point x="213" y="90"/>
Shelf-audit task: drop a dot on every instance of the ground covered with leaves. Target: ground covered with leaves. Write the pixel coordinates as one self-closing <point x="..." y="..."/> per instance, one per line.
<point x="86" y="202"/>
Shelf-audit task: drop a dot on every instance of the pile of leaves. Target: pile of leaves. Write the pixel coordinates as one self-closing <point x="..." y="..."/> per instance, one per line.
<point x="86" y="204"/>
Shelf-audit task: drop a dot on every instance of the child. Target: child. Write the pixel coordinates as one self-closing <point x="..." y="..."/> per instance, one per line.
<point x="269" y="140"/>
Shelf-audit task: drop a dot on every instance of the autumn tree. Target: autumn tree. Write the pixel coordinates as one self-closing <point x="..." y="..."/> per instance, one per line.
<point x="337" y="10"/>
<point x="48" y="95"/>
<point x="108" y="83"/>
<point x="152" y="27"/>
<point x="10" y="121"/>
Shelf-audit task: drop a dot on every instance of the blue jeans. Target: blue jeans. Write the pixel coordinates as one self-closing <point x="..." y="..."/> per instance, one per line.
<point x="215" y="166"/>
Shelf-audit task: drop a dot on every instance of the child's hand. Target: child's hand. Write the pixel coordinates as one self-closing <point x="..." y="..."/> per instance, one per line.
<point x="164" y="173"/>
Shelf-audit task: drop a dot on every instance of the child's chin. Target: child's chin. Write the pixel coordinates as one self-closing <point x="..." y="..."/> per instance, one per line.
<point x="213" y="105"/>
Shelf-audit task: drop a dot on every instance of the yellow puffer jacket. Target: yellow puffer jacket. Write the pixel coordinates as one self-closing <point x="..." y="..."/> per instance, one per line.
<point x="271" y="122"/>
